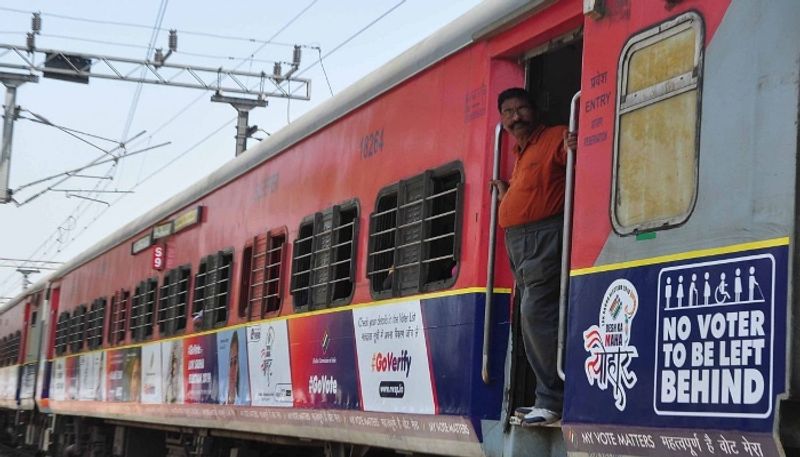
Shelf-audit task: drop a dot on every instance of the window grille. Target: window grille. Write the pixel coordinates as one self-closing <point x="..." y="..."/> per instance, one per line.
<point x="172" y="301"/>
<point x="13" y="353"/>
<point x="414" y="234"/>
<point x="118" y="324"/>
<point x="77" y="329"/>
<point x="323" y="267"/>
<point x="657" y="137"/>
<point x="4" y="344"/>
<point x="211" y="290"/>
<point x="62" y="333"/>
<point x="94" y="333"/>
<point x="7" y="350"/>
<point x="142" y="308"/>
<point x="262" y="271"/>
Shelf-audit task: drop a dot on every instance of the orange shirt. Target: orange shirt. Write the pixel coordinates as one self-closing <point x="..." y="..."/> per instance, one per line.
<point x="536" y="188"/>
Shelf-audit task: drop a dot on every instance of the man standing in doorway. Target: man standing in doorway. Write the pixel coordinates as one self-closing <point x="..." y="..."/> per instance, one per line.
<point x="531" y="212"/>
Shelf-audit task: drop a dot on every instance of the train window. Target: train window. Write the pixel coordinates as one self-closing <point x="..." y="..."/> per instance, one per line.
<point x="77" y="329"/>
<point x="62" y="333"/>
<point x="7" y="350"/>
<point x="144" y="302"/>
<point x="323" y="268"/>
<point x="212" y="290"/>
<point x="414" y="234"/>
<point x="119" y="317"/>
<point x="13" y="356"/>
<point x="173" y="300"/>
<point x="658" y="136"/>
<point x="4" y="350"/>
<point x="94" y="332"/>
<point x="249" y="274"/>
<point x="262" y="268"/>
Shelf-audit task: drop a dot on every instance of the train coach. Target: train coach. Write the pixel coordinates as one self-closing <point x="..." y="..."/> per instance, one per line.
<point x="340" y="288"/>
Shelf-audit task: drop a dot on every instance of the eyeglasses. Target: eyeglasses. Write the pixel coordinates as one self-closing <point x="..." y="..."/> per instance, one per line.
<point x="524" y="110"/>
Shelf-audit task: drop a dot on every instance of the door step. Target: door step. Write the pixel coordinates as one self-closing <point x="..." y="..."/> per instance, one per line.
<point x="539" y="441"/>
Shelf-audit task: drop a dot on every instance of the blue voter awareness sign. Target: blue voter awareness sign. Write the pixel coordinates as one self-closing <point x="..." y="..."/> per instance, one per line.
<point x="685" y="356"/>
<point x="715" y="339"/>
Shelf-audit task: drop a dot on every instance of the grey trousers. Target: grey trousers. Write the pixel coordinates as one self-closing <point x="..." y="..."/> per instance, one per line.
<point x="535" y="253"/>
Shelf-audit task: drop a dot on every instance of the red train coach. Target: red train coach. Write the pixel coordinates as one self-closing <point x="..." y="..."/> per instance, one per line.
<point x="338" y="288"/>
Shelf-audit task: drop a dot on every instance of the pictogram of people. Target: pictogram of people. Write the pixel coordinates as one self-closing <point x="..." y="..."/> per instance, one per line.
<point x="753" y="287"/>
<point x="713" y="292"/>
<point x="721" y="294"/>
<point x="668" y="290"/>
<point x="737" y="285"/>
<point x="694" y="297"/>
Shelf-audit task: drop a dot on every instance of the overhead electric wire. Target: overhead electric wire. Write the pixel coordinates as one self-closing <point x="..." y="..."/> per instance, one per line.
<point x="352" y="37"/>
<point x="70" y="132"/>
<point x="342" y="44"/>
<point x="148" y="27"/>
<point x="150" y="47"/>
<point x="147" y="178"/>
<point x="7" y="259"/>
<point x="61" y="127"/>
<point x="140" y="46"/>
<point x="69" y="174"/>
<point x="96" y="41"/>
<point x="328" y="81"/>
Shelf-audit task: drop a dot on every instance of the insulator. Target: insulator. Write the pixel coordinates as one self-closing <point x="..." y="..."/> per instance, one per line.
<point x="36" y="23"/>
<point x="30" y="41"/>
<point x="296" y="56"/>
<point x="276" y="70"/>
<point x="173" y="40"/>
<point x="159" y="58"/>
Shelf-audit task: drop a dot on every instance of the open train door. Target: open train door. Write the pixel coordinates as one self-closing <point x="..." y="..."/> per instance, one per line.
<point x="552" y="76"/>
<point x="684" y="210"/>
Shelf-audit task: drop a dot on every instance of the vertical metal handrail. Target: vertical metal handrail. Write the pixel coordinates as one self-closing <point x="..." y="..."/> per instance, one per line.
<point x="487" y="313"/>
<point x="569" y="191"/>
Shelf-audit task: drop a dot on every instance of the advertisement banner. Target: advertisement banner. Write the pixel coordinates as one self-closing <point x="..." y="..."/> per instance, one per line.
<point x="234" y="382"/>
<point x="58" y="381"/>
<point x="124" y="375"/>
<point x="324" y="372"/>
<point x="199" y="369"/>
<point x="4" y="379"/>
<point x="8" y="383"/>
<point x="90" y="367"/>
<point x="172" y="371"/>
<point x="28" y="383"/>
<point x="268" y="360"/>
<point x="73" y="378"/>
<point x="393" y="358"/>
<point x="151" y="374"/>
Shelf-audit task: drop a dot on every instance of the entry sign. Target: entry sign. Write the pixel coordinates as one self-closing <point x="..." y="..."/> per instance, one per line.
<point x="159" y="256"/>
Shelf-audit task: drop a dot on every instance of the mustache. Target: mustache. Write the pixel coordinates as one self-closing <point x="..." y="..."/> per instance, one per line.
<point x="520" y="124"/>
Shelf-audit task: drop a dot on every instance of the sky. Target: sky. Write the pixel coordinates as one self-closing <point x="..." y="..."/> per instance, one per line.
<point x="354" y="38"/>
